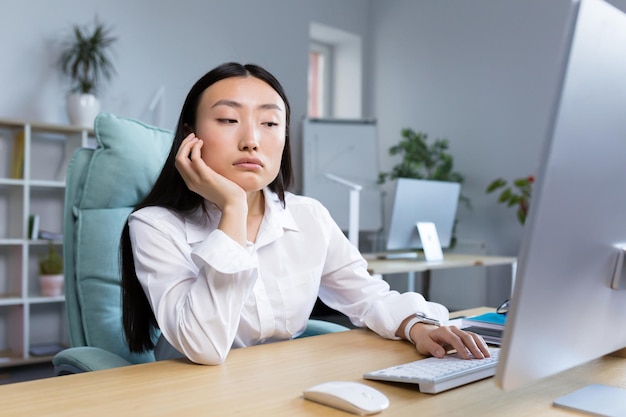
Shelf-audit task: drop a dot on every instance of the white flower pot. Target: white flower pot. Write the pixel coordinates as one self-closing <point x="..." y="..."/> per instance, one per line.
<point x="51" y="285"/>
<point x="82" y="109"/>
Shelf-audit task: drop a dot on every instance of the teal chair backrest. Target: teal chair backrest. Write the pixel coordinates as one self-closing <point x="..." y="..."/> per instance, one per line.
<point x="103" y="185"/>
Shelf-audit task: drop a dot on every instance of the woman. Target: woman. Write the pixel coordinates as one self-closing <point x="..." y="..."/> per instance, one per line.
<point x="219" y="255"/>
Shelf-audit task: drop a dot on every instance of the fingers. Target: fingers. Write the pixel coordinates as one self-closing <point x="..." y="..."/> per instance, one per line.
<point x="430" y="347"/>
<point x="185" y="147"/>
<point x="467" y="344"/>
<point x="189" y="148"/>
<point x="189" y="162"/>
<point x="201" y="178"/>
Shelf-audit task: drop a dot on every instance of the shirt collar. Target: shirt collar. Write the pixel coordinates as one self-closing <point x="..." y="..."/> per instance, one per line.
<point x="276" y="220"/>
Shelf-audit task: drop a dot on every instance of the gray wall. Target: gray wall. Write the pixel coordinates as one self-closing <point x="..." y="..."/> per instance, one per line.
<point x="481" y="73"/>
<point x="162" y="42"/>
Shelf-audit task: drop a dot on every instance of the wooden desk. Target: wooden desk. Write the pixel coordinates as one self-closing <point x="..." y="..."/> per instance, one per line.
<point x="268" y="380"/>
<point x="379" y="265"/>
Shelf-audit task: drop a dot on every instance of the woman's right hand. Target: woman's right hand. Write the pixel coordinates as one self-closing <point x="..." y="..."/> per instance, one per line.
<point x="229" y="197"/>
<point x="202" y="179"/>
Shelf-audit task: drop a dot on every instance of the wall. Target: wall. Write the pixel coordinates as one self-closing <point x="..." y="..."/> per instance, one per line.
<point x="482" y="74"/>
<point x="162" y="43"/>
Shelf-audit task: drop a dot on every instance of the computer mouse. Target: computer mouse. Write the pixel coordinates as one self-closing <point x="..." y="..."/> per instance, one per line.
<point x="349" y="396"/>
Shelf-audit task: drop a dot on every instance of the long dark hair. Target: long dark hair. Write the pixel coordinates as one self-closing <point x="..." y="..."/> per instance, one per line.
<point x="171" y="191"/>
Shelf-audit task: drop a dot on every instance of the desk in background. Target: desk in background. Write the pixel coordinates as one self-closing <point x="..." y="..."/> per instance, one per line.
<point x="268" y="380"/>
<point x="378" y="264"/>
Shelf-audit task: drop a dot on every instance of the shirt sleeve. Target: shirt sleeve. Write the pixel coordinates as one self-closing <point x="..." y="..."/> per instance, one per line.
<point x="368" y="301"/>
<point x="196" y="291"/>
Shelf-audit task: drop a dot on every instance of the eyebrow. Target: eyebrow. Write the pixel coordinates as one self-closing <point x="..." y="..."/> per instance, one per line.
<point x="232" y="103"/>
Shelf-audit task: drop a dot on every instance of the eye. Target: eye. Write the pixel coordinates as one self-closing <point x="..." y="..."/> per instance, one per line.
<point x="227" y="121"/>
<point x="271" y="124"/>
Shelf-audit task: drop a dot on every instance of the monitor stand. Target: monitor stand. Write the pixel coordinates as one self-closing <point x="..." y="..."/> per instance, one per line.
<point x="399" y="255"/>
<point x="595" y="399"/>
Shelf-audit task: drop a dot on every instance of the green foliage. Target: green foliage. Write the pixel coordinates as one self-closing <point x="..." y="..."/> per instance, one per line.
<point x="421" y="160"/>
<point x="518" y="194"/>
<point x="52" y="264"/>
<point x="85" y="59"/>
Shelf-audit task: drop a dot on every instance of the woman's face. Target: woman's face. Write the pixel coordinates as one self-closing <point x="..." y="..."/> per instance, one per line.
<point x="242" y="122"/>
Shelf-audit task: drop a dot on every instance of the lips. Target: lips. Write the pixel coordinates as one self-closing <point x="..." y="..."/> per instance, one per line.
<point x="249" y="163"/>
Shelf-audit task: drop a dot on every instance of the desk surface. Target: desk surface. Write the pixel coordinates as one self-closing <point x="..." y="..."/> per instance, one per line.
<point x="378" y="265"/>
<point x="268" y="380"/>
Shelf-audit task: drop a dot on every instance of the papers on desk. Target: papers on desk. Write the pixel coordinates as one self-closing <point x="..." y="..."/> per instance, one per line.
<point x="487" y="320"/>
<point x="489" y="325"/>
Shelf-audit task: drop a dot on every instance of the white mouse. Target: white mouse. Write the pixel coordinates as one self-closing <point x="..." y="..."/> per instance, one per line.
<point x="350" y="396"/>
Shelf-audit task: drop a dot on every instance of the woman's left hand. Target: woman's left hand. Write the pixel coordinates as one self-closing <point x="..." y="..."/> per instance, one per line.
<point x="436" y="341"/>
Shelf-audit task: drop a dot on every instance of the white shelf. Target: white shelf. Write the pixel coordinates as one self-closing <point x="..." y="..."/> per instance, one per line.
<point x="10" y="181"/>
<point x="28" y="319"/>
<point x="45" y="300"/>
<point x="47" y="184"/>
<point x="9" y="242"/>
<point x="8" y="300"/>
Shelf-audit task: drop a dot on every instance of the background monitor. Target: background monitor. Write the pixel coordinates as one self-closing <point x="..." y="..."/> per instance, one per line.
<point x="422" y="201"/>
<point x="564" y="311"/>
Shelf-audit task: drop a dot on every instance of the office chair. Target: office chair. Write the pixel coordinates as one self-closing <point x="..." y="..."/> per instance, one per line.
<point x="102" y="187"/>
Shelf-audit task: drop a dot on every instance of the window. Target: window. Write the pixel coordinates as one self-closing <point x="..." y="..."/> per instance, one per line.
<point x="335" y="87"/>
<point x="320" y="58"/>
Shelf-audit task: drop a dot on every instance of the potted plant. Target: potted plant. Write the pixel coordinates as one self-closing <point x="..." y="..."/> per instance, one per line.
<point x="518" y="194"/>
<point x="421" y="160"/>
<point x="85" y="60"/>
<point x="51" y="273"/>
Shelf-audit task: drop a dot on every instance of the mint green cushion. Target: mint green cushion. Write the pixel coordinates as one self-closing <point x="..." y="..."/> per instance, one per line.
<point x="104" y="185"/>
<point x="318" y="327"/>
<point x="86" y="359"/>
<point x="128" y="159"/>
<point x="73" y="187"/>
<point x="98" y="279"/>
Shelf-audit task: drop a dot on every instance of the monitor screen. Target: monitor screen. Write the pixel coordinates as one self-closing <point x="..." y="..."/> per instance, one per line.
<point x="422" y="201"/>
<point x="564" y="309"/>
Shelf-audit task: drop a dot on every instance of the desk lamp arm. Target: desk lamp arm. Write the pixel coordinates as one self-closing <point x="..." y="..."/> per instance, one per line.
<point x="355" y="189"/>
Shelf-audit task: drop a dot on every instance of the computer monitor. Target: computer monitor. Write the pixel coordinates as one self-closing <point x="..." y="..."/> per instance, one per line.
<point x="566" y="308"/>
<point x="422" y="201"/>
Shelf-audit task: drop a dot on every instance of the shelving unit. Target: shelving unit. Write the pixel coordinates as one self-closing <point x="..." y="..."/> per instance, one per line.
<point x="28" y="320"/>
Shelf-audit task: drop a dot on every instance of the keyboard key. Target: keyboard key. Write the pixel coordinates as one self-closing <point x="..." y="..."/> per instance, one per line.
<point x="436" y="375"/>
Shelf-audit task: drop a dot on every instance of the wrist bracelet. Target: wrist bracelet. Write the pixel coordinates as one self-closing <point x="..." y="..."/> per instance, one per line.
<point x="409" y="326"/>
<point x="418" y="319"/>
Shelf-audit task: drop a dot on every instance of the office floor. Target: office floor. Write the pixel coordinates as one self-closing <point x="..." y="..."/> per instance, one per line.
<point x="26" y="373"/>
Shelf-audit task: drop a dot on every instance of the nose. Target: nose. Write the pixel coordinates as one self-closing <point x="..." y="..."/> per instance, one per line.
<point x="249" y="140"/>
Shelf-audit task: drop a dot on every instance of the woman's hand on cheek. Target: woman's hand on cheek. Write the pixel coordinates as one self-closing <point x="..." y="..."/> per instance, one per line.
<point x="203" y="180"/>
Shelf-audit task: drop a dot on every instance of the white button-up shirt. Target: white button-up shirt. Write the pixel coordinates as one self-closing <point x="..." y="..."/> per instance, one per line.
<point x="209" y="294"/>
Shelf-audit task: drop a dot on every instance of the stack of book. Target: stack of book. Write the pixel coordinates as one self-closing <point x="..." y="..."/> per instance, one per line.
<point x="489" y="325"/>
<point x="34" y="232"/>
<point x="17" y="160"/>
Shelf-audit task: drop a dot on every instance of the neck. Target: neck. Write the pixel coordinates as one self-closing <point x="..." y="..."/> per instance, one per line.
<point x="256" y="203"/>
<point x="256" y="209"/>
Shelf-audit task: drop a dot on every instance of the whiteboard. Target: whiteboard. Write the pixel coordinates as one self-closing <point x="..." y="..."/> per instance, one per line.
<point x="347" y="149"/>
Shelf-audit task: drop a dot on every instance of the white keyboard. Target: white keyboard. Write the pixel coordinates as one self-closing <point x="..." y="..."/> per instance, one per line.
<point x="436" y="375"/>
